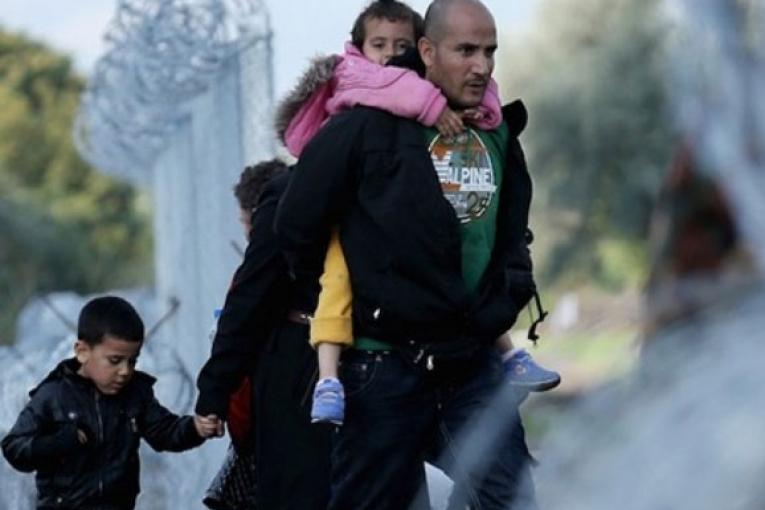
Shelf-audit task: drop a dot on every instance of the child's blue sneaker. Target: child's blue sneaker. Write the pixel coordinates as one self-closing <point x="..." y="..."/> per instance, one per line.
<point x="523" y="371"/>
<point x="328" y="402"/>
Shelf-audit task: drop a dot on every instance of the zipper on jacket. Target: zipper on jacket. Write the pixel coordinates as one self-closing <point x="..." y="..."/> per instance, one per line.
<point x="99" y="439"/>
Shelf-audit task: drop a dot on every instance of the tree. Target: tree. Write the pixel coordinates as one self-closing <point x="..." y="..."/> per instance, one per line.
<point x="600" y="135"/>
<point x="62" y="224"/>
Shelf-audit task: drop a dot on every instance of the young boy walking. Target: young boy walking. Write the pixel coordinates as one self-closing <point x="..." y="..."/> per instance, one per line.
<point x="82" y="427"/>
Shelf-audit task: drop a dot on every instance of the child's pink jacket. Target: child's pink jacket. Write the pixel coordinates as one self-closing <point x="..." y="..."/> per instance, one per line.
<point x="354" y="80"/>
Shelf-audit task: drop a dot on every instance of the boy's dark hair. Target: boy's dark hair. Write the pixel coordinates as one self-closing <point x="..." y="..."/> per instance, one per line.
<point x="252" y="180"/>
<point x="109" y="315"/>
<point x="393" y="11"/>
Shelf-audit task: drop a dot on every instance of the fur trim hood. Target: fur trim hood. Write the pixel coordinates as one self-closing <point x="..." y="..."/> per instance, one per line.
<point x="318" y="74"/>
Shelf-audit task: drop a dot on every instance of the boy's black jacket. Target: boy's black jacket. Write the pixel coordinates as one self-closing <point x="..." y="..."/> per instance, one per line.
<point x="371" y="173"/>
<point x="105" y="470"/>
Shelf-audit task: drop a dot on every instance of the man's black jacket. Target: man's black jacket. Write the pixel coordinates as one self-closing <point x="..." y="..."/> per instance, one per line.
<point x="371" y="173"/>
<point x="105" y="470"/>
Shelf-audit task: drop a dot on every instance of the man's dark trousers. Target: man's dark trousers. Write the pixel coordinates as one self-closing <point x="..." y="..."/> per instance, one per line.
<point x="399" y="415"/>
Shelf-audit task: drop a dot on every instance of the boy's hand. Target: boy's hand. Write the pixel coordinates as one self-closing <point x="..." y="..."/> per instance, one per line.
<point x="449" y="123"/>
<point x="208" y="426"/>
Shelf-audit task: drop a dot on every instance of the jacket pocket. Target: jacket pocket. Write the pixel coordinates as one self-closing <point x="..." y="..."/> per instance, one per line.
<point x="130" y="427"/>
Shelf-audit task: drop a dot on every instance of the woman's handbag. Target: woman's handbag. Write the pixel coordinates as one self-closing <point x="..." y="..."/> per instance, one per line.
<point x="235" y="485"/>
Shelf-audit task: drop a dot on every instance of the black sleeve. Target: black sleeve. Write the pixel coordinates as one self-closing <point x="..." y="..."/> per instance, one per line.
<point x="247" y="317"/>
<point x="165" y="431"/>
<point x="519" y="268"/>
<point x="320" y="189"/>
<point x="34" y="442"/>
<point x="520" y="272"/>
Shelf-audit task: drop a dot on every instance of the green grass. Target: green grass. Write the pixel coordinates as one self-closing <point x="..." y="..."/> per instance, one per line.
<point x="585" y="360"/>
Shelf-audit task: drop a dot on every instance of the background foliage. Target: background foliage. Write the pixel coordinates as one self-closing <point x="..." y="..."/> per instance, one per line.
<point x="600" y="137"/>
<point x="598" y="143"/>
<point x="63" y="226"/>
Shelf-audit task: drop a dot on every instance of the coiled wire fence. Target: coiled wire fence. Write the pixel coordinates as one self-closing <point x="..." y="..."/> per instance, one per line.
<point x="162" y="55"/>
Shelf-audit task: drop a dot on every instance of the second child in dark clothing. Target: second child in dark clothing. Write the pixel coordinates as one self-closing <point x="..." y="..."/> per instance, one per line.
<point x="82" y="428"/>
<point x="263" y="333"/>
<point x="235" y="485"/>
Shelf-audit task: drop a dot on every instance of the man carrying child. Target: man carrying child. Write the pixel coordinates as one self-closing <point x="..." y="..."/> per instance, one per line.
<point x="433" y="230"/>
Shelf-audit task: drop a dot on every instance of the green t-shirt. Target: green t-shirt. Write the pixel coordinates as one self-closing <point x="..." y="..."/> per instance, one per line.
<point x="470" y="168"/>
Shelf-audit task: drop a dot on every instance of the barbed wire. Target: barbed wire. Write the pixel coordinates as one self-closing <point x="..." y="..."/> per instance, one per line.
<point x="162" y="53"/>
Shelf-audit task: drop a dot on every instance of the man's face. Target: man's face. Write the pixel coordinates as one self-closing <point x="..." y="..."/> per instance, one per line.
<point x="110" y="364"/>
<point x="460" y="62"/>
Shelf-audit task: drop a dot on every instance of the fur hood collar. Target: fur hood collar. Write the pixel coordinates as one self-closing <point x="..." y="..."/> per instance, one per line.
<point x="318" y="74"/>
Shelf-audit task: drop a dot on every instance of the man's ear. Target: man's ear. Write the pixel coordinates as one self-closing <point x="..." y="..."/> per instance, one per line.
<point x="427" y="51"/>
<point x="81" y="351"/>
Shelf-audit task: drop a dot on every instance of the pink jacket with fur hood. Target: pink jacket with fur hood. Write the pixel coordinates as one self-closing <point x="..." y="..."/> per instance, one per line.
<point x="336" y="83"/>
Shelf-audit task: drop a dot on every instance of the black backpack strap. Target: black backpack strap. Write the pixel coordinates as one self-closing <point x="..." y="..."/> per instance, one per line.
<point x="541" y="315"/>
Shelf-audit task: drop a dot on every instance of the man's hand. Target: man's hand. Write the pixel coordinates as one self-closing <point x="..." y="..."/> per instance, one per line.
<point x="209" y="426"/>
<point x="449" y="123"/>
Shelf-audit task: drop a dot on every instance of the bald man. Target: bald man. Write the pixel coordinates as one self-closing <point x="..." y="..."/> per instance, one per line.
<point x="434" y="234"/>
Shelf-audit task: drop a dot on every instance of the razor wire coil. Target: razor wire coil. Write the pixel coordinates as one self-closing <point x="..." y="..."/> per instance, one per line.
<point x="161" y="54"/>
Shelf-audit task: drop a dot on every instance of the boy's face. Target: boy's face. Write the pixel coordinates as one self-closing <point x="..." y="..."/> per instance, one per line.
<point x="110" y="364"/>
<point x="245" y="218"/>
<point x="385" y="39"/>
